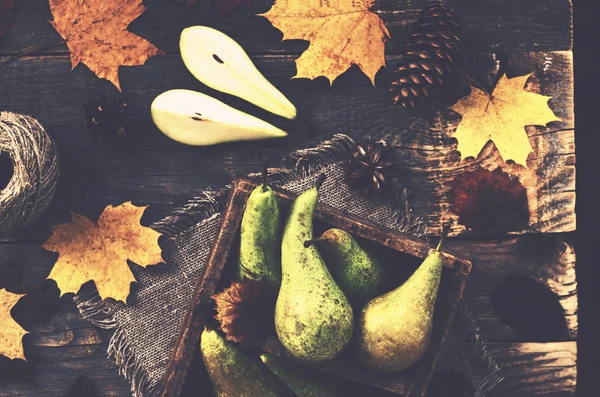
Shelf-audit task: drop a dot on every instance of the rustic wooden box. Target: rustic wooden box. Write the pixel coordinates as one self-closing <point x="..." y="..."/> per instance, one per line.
<point x="411" y="383"/>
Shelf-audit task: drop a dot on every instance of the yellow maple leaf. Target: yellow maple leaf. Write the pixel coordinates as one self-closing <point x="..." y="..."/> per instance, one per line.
<point x="96" y="34"/>
<point x="501" y="118"/>
<point x="99" y="252"/>
<point x="341" y="33"/>
<point x="11" y="333"/>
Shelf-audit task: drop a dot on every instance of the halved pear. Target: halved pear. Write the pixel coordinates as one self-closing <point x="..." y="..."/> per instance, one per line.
<point x="222" y="64"/>
<point x="197" y="119"/>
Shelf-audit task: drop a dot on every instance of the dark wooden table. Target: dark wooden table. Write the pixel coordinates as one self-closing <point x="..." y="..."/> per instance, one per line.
<point x="522" y="290"/>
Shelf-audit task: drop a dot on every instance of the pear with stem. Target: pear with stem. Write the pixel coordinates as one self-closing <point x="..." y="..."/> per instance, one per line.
<point x="313" y="318"/>
<point x="394" y="329"/>
<point x="260" y="235"/>
<point x="358" y="273"/>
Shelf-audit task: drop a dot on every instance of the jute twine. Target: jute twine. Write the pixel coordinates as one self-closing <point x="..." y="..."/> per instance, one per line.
<point x="35" y="170"/>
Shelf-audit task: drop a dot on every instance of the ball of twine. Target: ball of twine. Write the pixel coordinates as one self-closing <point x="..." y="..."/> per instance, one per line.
<point x="35" y="170"/>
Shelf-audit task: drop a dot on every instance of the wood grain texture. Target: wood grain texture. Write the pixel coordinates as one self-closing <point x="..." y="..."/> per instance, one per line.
<point x="492" y="259"/>
<point x="534" y="35"/>
<point x="547" y="369"/>
<point x="58" y="352"/>
<point x="489" y="25"/>
<point x="547" y="259"/>
<point x="159" y="171"/>
<point x="549" y="177"/>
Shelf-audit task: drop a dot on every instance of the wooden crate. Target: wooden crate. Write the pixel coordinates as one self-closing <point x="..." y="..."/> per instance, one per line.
<point x="411" y="383"/>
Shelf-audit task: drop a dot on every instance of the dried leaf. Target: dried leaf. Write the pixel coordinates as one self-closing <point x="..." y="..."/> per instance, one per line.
<point x="11" y="338"/>
<point x="96" y="34"/>
<point x="502" y="118"/>
<point x="490" y="202"/>
<point x="8" y="12"/>
<point x="341" y="33"/>
<point x="225" y="7"/>
<point x="246" y="311"/>
<point x="99" y="252"/>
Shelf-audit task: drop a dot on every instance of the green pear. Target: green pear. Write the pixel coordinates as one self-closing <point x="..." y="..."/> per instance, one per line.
<point x="313" y="317"/>
<point x="394" y="329"/>
<point x="260" y="236"/>
<point x="358" y="273"/>
<point x="197" y="119"/>
<point x="302" y="380"/>
<point x="234" y="374"/>
<point x="222" y="64"/>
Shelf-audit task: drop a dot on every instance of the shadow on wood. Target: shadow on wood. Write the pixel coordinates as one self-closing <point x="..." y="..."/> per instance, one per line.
<point x="532" y="309"/>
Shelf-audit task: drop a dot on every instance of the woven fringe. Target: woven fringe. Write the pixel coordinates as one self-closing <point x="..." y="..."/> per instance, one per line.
<point x="465" y="330"/>
<point x="312" y="160"/>
<point x="93" y="308"/>
<point x="406" y="220"/>
<point x="193" y="212"/>
<point x="97" y="312"/>
<point x="125" y="357"/>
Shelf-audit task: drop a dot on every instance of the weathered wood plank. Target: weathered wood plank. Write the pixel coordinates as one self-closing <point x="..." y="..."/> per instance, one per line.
<point x="528" y="368"/>
<point x="549" y="260"/>
<point x="58" y="352"/>
<point x="547" y="369"/>
<point x="545" y="259"/>
<point x="68" y="345"/>
<point x="490" y="25"/>
<point x="159" y="169"/>
<point x="165" y="173"/>
<point x="494" y="329"/>
<point x="549" y="177"/>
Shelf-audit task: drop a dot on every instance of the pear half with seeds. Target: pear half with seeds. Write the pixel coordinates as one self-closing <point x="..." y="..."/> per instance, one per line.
<point x="197" y="119"/>
<point x="222" y="64"/>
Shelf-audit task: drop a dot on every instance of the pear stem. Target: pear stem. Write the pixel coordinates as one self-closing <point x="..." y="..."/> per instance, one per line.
<point x="265" y="174"/>
<point x="308" y="243"/>
<point x="320" y="180"/>
<point x="445" y="230"/>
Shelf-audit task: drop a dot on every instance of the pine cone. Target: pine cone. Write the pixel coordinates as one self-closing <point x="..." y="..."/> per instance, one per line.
<point x="426" y="63"/>
<point x="106" y="120"/>
<point x="365" y="171"/>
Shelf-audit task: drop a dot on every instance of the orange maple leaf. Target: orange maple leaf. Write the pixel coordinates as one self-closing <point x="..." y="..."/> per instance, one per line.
<point x="11" y="333"/>
<point x="96" y="34"/>
<point x="341" y="33"/>
<point x="99" y="252"/>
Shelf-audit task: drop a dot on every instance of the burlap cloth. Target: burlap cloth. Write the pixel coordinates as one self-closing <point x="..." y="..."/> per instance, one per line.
<point x="146" y="328"/>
